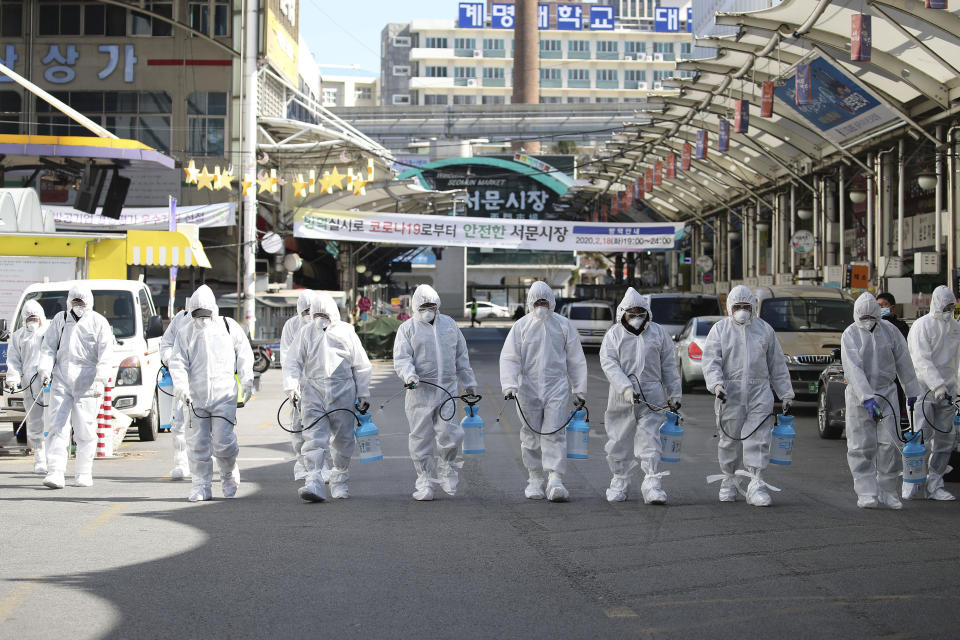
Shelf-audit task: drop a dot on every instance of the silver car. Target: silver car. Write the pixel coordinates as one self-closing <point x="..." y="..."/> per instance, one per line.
<point x="689" y="347"/>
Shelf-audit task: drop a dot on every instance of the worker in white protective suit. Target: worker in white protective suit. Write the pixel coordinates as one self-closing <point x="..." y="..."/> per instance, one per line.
<point x="874" y="355"/>
<point x="742" y="360"/>
<point x="179" y="415"/>
<point x="290" y="330"/>
<point x="22" y="357"/>
<point x="208" y="352"/>
<point x="638" y="358"/>
<point x="934" y="344"/>
<point x="329" y="367"/>
<point x="429" y="348"/>
<point x="540" y="364"/>
<point x="76" y="353"/>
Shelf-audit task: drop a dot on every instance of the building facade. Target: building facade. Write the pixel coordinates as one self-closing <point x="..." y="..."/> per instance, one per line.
<point x="589" y="53"/>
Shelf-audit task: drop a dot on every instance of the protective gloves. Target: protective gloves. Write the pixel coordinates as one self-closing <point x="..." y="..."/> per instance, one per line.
<point x="673" y="404"/>
<point x="940" y="393"/>
<point x="412" y="382"/>
<point x="294" y="396"/>
<point x="44" y="375"/>
<point x="912" y="400"/>
<point x="183" y="396"/>
<point x="628" y="395"/>
<point x="12" y="382"/>
<point x="786" y="406"/>
<point x="98" y="388"/>
<point x="581" y="398"/>
<point x="720" y="392"/>
<point x="363" y="403"/>
<point x="247" y="390"/>
<point x="470" y="391"/>
<point x="873" y="408"/>
<point x="509" y="394"/>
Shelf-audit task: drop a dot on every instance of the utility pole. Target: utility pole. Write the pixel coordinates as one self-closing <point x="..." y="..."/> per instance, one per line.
<point x="248" y="248"/>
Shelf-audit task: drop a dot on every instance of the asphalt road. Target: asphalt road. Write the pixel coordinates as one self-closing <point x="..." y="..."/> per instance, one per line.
<point x="131" y="558"/>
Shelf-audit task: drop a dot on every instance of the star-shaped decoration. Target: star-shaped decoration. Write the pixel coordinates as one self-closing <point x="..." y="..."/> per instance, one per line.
<point x="359" y="186"/>
<point x="331" y="180"/>
<point x="246" y="183"/>
<point x="299" y="187"/>
<point x="205" y="179"/>
<point x="226" y="181"/>
<point x="267" y="183"/>
<point x="191" y="171"/>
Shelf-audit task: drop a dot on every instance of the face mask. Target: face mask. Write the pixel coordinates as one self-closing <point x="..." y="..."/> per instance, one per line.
<point x="202" y="323"/>
<point x="946" y="315"/>
<point x="541" y="312"/>
<point x="884" y="312"/>
<point x="636" y="322"/>
<point x="322" y="322"/>
<point x="78" y="312"/>
<point x="741" y="316"/>
<point x="867" y="324"/>
<point x="427" y="315"/>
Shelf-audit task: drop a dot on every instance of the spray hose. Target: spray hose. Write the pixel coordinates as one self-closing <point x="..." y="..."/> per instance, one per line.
<point x="746" y="437"/>
<point x="470" y="400"/>
<point x="159" y="388"/>
<point x="901" y="435"/>
<point x="641" y="398"/>
<point x="930" y="422"/>
<point x="210" y="416"/>
<point x="579" y="405"/>
<point x="317" y="421"/>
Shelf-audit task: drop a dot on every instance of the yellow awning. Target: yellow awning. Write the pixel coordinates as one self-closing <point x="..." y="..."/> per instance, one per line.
<point x="180" y="248"/>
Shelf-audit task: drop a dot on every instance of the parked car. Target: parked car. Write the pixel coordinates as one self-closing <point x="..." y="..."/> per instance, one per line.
<point x="689" y="348"/>
<point x="128" y="307"/>
<point x="672" y="311"/>
<point x="809" y="322"/>
<point x="487" y="309"/>
<point x="591" y="319"/>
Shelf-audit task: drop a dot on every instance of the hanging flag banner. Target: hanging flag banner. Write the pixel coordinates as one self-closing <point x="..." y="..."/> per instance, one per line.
<point x="741" y="116"/>
<point x="658" y="172"/>
<point x="604" y="209"/>
<point x="766" y="100"/>
<point x="936" y="4"/>
<point x="723" y="137"/>
<point x="685" y="157"/>
<point x="838" y="105"/>
<point x="614" y="206"/>
<point x="702" y="141"/>
<point x="803" y="94"/>
<point x="157" y="218"/>
<point x="498" y="233"/>
<point x="860" y="37"/>
<point x="641" y="188"/>
<point x="671" y="166"/>
<point x="648" y="180"/>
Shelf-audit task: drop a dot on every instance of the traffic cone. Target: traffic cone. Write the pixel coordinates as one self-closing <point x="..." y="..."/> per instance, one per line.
<point x="104" y="425"/>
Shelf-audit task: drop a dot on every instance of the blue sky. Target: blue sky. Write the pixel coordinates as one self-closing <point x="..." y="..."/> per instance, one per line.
<point x="348" y="31"/>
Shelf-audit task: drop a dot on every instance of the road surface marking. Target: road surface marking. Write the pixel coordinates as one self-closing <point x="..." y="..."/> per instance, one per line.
<point x="265" y="424"/>
<point x="101" y="519"/>
<point x="620" y="612"/>
<point x="12" y="599"/>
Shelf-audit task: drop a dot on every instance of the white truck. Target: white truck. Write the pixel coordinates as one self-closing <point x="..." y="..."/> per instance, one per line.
<point x="137" y="328"/>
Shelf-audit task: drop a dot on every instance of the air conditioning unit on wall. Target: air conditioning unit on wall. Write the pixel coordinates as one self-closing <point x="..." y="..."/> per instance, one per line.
<point x="471" y="82"/>
<point x="658" y="57"/>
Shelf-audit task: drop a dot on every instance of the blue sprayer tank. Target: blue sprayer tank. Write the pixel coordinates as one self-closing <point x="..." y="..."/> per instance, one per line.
<point x="578" y="436"/>
<point x="165" y="399"/>
<point x="781" y="450"/>
<point x="472" y="425"/>
<point x="914" y="459"/>
<point x="671" y="438"/>
<point x="368" y="439"/>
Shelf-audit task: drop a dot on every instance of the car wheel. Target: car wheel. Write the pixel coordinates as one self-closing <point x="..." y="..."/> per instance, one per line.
<point x="826" y="429"/>
<point x="149" y="426"/>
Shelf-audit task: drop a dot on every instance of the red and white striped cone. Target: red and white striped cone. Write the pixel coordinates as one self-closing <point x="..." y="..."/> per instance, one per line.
<point x="105" y="425"/>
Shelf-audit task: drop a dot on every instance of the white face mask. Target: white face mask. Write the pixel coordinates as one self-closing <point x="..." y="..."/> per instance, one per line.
<point x="946" y="315"/>
<point x="322" y="322"/>
<point x="741" y="316"/>
<point x="636" y="323"/>
<point x="203" y="323"/>
<point x="32" y="325"/>
<point x="541" y="312"/>
<point x="867" y="324"/>
<point x="78" y="311"/>
<point x="427" y="315"/>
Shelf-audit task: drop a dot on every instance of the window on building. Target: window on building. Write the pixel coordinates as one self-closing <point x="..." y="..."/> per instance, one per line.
<point x="143" y="116"/>
<point x="550" y="45"/>
<point x="495" y="44"/>
<point x="549" y="74"/>
<point x="434" y="42"/>
<point x="635" y="75"/>
<point x="550" y="99"/>
<point x="206" y="119"/>
<point x="635" y="46"/>
<point x="435" y="72"/>
<point x="434" y="99"/>
<point x="578" y="100"/>
<point x="142" y="24"/>
<point x="494" y="100"/>
<point x="493" y="73"/>
<point x="329" y="96"/>
<point x="464" y="72"/>
<point x="363" y="93"/>
<point x="578" y="74"/>
<point x="464" y="43"/>
<point x="105" y="20"/>
<point x="579" y="46"/>
<point x="401" y="41"/>
<point x="11" y="19"/>
<point x="401" y="99"/>
<point x="606" y="75"/>
<point x="464" y="99"/>
<point x="599" y="100"/>
<point x="663" y="47"/>
<point x="606" y="46"/>
<point x="401" y="70"/>
<point x="10" y="110"/>
<point x="59" y="19"/>
<point x="686" y="50"/>
<point x="199" y="12"/>
<point x="660" y="75"/>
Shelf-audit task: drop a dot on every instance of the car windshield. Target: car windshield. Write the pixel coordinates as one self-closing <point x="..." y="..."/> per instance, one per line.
<point x="679" y="310"/>
<point x="704" y="326"/>
<point x="807" y="314"/>
<point x="578" y="312"/>
<point x="116" y="306"/>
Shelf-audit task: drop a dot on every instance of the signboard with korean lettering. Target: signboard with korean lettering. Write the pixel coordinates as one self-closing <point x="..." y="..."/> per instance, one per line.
<point x="450" y="231"/>
<point x="569" y="17"/>
<point x="281" y="37"/>
<point x="666" y="19"/>
<point x="658" y="172"/>
<point x="723" y="137"/>
<point x="689" y="19"/>
<point x="702" y="141"/>
<point x="495" y="192"/>
<point x="543" y="16"/>
<point x="685" y="154"/>
<point x="503" y="15"/>
<point x="470" y="15"/>
<point x="803" y="93"/>
<point x="936" y="4"/>
<point x="601" y="18"/>
<point x="860" y="37"/>
<point x="766" y="99"/>
<point x="671" y="166"/>
<point x="741" y="116"/>
<point x="839" y="106"/>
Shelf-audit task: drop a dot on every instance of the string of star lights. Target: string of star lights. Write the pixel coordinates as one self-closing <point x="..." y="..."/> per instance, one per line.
<point x="269" y="181"/>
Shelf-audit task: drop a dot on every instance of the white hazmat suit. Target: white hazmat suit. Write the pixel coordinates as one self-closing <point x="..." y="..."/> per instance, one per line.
<point x="329" y="367"/>
<point x="934" y="343"/>
<point x="432" y="349"/>
<point x="628" y="355"/>
<point x="179" y="414"/>
<point x="208" y="352"/>
<point x="22" y="357"/>
<point x="541" y="362"/>
<point x="744" y="360"/>
<point x="287" y="336"/>
<point x="76" y="354"/>
<point x="874" y="355"/>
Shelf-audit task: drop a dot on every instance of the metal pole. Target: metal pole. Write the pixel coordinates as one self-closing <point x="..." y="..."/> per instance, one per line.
<point x="901" y="196"/>
<point x="870" y="213"/>
<point x="938" y="221"/>
<point x="756" y="266"/>
<point x="842" y="215"/>
<point x="816" y="224"/>
<point x="249" y="246"/>
<point x="952" y="208"/>
<point x="729" y="250"/>
<point x="793" y="227"/>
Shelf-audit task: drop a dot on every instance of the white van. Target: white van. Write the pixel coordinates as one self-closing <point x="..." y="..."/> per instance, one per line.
<point x="128" y="307"/>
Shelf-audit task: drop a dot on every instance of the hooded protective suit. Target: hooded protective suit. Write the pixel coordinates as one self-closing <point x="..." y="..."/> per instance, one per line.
<point x="542" y="361"/>
<point x="290" y="330"/>
<point x="934" y="344"/>
<point x="628" y="355"/>
<point x="874" y="354"/>
<point x="200" y="366"/>
<point x="434" y="352"/>
<point x="746" y="360"/>
<point x="22" y="357"/>
<point x="76" y="353"/>
<point x="331" y="369"/>
<point x="180" y="414"/>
